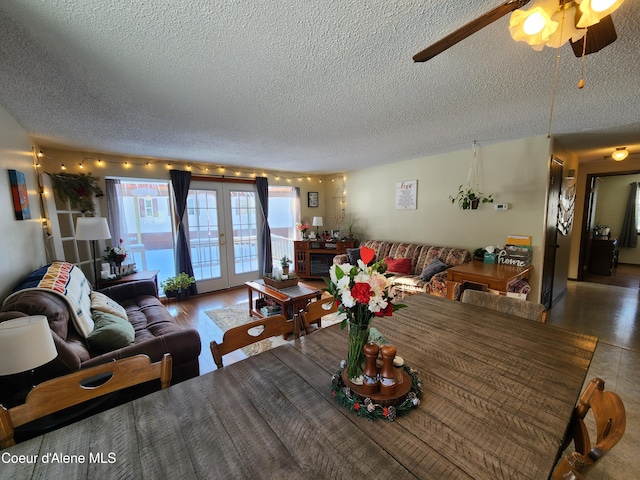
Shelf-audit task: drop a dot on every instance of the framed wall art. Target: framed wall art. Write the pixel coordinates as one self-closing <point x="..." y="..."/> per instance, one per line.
<point x="19" y="195"/>
<point x="312" y="199"/>
<point x="407" y="195"/>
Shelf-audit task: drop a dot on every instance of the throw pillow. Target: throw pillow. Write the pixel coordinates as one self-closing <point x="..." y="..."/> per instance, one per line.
<point x="436" y="266"/>
<point x="110" y="332"/>
<point x="398" y="265"/>
<point x="102" y="303"/>
<point x="354" y="255"/>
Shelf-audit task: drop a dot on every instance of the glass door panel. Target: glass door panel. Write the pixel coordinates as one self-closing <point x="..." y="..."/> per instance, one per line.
<point x="223" y="234"/>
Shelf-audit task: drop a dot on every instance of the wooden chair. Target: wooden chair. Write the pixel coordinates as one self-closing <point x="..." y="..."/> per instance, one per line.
<point x="78" y="387"/>
<point x="513" y="306"/>
<point x="249" y="333"/>
<point x="610" y="420"/>
<point x="314" y="311"/>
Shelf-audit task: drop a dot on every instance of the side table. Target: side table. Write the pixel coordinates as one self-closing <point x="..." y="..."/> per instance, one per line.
<point x="494" y="276"/>
<point x="144" y="275"/>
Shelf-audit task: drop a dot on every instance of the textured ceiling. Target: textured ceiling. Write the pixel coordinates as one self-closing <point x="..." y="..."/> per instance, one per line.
<point x="308" y="86"/>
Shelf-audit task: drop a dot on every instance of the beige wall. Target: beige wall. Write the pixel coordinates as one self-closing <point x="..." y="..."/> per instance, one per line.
<point x="631" y="164"/>
<point x="21" y="241"/>
<point x="327" y="187"/>
<point x="514" y="172"/>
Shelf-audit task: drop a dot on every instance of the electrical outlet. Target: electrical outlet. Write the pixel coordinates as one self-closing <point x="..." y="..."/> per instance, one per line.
<point x="502" y="206"/>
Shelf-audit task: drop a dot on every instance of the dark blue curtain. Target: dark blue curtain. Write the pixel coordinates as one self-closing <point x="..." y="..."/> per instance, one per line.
<point x="629" y="233"/>
<point x="262" y="185"/>
<point x="181" y="181"/>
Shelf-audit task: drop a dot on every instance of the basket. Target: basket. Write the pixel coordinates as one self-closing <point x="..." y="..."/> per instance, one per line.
<point x="272" y="282"/>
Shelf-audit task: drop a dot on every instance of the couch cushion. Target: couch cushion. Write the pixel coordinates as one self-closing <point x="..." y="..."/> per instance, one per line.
<point x="398" y="265"/>
<point x="110" y="332"/>
<point x="354" y="255"/>
<point x="436" y="266"/>
<point x="102" y="303"/>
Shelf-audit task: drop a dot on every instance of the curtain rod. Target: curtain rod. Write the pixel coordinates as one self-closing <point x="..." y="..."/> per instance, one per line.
<point x="222" y="178"/>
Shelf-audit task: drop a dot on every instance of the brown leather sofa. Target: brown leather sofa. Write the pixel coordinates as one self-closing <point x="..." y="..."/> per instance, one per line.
<point x="156" y="332"/>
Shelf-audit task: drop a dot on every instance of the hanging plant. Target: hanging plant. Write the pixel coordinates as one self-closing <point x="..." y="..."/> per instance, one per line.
<point x="469" y="197"/>
<point x="79" y="189"/>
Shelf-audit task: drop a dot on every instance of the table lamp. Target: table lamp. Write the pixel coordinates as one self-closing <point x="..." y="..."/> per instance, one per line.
<point x="317" y="222"/>
<point x="93" y="228"/>
<point x="25" y="343"/>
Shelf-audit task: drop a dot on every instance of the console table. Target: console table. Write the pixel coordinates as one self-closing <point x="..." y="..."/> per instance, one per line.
<point x="314" y="257"/>
<point x="494" y="276"/>
<point x="144" y="275"/>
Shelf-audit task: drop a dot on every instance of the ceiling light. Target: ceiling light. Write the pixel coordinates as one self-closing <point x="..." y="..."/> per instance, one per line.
<point x="595" y="10"/>
<point x="620" y="154"/>
<point x="534" y="25"/>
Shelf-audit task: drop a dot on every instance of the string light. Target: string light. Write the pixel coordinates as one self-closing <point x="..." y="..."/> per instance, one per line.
<point x="221" y="169"/>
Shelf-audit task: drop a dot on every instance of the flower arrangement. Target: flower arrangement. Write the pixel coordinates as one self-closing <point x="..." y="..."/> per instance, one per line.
<point x="303" y="227"/>
<point x="362" y="292"/>
<point x="115" y="254"/>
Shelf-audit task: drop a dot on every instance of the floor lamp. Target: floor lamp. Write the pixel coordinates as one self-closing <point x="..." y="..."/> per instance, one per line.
<point x="93" y="228"/>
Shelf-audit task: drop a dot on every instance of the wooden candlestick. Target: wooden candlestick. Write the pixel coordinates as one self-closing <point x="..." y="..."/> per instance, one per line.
<point x="387" y="373"/>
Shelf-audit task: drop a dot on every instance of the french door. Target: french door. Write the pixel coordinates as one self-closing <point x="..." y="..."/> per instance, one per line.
<point x="223" y="224"/>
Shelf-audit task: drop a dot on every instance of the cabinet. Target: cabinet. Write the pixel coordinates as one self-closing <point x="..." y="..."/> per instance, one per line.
<point x="313" y="258"/>
<point x="603" y="257"/>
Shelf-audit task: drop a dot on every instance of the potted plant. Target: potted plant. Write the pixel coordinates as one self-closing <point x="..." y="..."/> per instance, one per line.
<point x="478" y="254"/>
<point x="284" y="262"/>
<point x="469" y="198"/>
<point x="178" y="285"/>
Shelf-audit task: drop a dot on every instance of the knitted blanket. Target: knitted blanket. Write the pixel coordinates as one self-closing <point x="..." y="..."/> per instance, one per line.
<point x="67" y="281"/>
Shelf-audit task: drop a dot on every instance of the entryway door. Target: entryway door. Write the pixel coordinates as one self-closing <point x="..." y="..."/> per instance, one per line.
<point x="223" y="221"/>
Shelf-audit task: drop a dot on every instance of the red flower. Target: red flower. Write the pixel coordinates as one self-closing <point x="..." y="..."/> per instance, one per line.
<point x="361" y="292"/>
<point x="385" y="411"/>
<point x="385" y="312"/>
<point x="356" y="406"/>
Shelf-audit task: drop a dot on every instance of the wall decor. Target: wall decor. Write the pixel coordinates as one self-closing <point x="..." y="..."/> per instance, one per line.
<point x="567" y="205"/>
<point x="407" y="195"/>
<point x="312" y="199"/>
<point x="19" y="195"/>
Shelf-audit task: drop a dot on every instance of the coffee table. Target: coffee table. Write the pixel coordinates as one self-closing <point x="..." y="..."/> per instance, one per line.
<point x="291" y="299"/>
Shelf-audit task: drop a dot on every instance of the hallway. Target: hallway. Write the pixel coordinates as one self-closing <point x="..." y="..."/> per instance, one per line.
<point x="612" y="314"/>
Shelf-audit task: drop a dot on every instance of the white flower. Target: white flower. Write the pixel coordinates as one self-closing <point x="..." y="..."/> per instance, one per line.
<point x="347" y="300"/>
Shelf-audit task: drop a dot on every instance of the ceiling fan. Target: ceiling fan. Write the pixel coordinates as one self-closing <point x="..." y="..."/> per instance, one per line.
<point x="545" y="22"/>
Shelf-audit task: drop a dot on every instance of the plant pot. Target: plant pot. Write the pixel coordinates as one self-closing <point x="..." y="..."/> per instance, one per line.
<point x="474" y="203"/>
<point x="171" y="293"/>
<point x="285" y="269"/>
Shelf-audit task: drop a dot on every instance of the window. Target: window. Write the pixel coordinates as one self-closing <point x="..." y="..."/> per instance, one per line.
<point x="284" y="213"/>
<point x="146" y="225"/>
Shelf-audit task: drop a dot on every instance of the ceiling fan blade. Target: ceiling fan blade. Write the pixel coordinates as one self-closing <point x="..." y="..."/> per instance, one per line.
<point x="468" y="29"/>
<point x="599" y="36"/>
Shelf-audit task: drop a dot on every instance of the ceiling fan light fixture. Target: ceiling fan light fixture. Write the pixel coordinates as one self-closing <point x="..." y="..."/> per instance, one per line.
<point x="535" y="25"/>
<point x="568" y="30"/>
<point x="595" y="10"/>
<point x="620" y="154"/>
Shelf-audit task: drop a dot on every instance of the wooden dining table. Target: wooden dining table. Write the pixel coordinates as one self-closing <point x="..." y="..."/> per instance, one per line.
<point x="498" y="393"/>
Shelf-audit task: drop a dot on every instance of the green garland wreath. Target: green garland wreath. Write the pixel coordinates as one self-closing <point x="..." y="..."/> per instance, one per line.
<point x="79" y="189"/>
<point x="367" y="408"/>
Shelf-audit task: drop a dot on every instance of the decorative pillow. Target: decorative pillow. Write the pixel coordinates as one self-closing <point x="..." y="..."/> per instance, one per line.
<point x="354" y="255"/>
<point x="398" y="265"/>
<point x="102" y="303"/>
<point x="436" y="266"/>
<point x="110" y="332"/>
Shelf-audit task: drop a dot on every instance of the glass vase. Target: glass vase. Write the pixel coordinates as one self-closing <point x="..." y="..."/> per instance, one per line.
<point x="358" y="337"/>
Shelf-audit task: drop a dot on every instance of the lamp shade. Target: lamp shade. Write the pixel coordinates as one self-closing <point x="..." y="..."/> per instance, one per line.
<point x="316" y="222"/>
<point x="620" y="154"/>
<point x="595" y="10"/>
<point x="25" y="343"/>
<point x="92" y="228"/>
